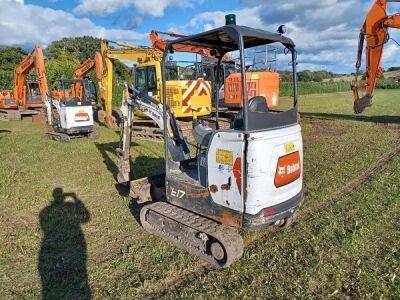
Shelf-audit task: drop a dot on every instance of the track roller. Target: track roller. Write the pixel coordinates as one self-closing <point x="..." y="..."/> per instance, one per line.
<point x="218" y="244"/>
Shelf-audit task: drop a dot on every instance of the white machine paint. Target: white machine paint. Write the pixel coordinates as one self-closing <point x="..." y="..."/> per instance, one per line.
<point x="263" y="151"/>
<point x="76" y="116"/>
<point x="220" y="169"/>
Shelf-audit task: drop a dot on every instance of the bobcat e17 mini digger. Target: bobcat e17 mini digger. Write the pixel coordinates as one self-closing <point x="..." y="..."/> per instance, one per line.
<point x="247" y="176"/>
<point x="71" y="116"/>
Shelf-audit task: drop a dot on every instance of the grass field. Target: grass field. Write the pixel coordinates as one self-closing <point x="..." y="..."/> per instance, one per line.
<point x="67" y="231"/>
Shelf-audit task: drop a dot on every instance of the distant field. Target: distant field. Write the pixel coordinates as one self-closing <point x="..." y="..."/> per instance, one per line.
<point x="350" y="78"/>
<point x="345" y="244"/>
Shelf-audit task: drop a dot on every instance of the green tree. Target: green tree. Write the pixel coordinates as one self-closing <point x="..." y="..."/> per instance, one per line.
<point x="79" y="47"/>
<point x="61" y="68"/>
<point x="305" y="76"/>
<point x="9" y="58"/>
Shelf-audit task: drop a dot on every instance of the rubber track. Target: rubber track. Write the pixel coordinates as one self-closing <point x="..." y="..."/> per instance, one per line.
<point x="57" y="136"/>
<point x="228" y="236"/>
<point x="204" y="269"/>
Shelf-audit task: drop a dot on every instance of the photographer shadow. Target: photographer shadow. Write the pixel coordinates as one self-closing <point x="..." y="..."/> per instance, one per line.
<point x="63" y="251"/>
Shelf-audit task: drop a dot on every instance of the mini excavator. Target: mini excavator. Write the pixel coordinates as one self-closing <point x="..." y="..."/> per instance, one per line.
<point x="70" y="109"/>
<point x="71" y="116"/>
<point x="248" y="176"/>
<point x="28" y="97"/>
<point x="374" y="33"/>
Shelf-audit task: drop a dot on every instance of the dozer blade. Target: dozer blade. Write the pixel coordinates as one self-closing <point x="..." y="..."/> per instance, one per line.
<point x="362" y="103"/>
<point x="150" y="188"/>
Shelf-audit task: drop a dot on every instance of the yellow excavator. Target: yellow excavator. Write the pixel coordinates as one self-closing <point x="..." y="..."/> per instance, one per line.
<point x="187" y="94"/>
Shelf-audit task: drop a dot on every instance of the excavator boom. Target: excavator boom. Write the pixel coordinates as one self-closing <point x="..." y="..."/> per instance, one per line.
<point x="374" y="34"/>
<point x="41" y="75"/>
<point x="35" y="59"/>
<point x="90" y="64"/>
<point x="160" y="43"/>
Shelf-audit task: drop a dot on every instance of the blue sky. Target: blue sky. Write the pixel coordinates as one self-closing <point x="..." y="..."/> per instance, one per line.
<point x="325" y="32"/>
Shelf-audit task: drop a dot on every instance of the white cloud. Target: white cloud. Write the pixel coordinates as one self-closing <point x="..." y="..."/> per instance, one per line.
<point x="325" y="32"/>
<point x="154" y="8"/>
<point x="209" y="20"/>
<point x="26" y="25"/>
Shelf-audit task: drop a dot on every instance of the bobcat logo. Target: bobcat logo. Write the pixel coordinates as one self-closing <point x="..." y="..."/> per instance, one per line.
<point x="281" y="171"/>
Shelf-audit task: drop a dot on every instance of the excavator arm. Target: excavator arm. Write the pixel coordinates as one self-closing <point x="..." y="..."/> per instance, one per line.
<point x="35" y="59"/>
<point x="129" y="52"/>
<point x="90" y="64"/>
<point x="134" y="99"/>
<point x="41" y="74"/>
<point x="20" y="73"/>
<point x="160" y="43"/>
<point x="374" y="34"/>
<point x="95" y="63"/>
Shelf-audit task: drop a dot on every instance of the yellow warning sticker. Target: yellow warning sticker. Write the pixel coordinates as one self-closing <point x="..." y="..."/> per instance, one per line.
<point x="289" y="147"/>
<point x="225" y="157"/>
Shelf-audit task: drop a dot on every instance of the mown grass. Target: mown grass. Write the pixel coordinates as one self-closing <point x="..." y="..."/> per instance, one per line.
<point x="122" y="260"/>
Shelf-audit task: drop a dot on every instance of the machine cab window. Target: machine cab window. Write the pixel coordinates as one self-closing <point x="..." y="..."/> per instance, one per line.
<point x="146" y="79"/>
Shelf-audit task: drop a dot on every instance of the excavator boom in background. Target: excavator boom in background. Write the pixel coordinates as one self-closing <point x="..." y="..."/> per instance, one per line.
<point x="95" y="63"/>
<point x="27" y="96"/>
<point x="127" y="52"/>
<point x="187" y="97"/>
<point x="374" y="33"/>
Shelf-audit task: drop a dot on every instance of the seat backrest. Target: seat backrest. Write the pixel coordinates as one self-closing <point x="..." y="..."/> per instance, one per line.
<point x="258" y="104"/>
<point x="202" y="133"/>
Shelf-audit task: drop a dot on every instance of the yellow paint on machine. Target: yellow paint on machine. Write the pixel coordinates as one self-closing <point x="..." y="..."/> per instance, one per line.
<point x="289" y="147"/>
<point x="224" y="157"/>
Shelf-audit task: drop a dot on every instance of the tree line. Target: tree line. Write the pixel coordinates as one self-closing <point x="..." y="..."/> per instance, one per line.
<point x="62" y="58"/>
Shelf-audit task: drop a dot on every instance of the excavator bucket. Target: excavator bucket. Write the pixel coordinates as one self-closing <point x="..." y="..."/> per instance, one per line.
<point x="362" y="103"/>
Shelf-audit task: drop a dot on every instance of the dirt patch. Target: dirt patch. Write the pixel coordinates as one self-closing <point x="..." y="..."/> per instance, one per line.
<point x="323" y="129"/>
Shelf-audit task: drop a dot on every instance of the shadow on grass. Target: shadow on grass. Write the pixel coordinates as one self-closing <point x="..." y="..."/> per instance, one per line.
<point x="141" y="166"/>
<point x="361" y="118"/>
<point x="63" y="251"/>
<point x="5" y="131"/>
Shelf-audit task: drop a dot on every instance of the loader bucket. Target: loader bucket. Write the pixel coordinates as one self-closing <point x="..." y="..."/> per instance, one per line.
<point x="362" y="103"/>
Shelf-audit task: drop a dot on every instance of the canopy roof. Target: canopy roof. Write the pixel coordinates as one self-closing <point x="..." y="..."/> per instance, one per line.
<point x="226" y="38"/>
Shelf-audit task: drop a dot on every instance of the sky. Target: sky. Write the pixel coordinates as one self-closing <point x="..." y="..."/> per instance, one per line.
<point x="325" y="31"/>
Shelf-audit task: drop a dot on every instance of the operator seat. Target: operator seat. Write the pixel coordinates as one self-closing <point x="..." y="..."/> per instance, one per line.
<point x="256" y="104"/>
<point x="202" y="133"/>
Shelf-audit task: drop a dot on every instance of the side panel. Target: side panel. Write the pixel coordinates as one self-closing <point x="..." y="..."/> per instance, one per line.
<point x="76" y="116"/>
<point x="261" y="83"/>
<point x="189" y="97"/>
<point x="265" y="149"/>
<point x="225" y="169"/>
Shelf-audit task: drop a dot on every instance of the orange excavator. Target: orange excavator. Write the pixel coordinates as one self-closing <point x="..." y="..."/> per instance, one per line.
<point x="160" y="43"/>
<point x="374" y="33"/>
<point x="95" y="63"/>
<point x="28" y="97"/>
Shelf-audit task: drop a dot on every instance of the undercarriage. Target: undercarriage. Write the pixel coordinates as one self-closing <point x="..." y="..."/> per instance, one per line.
<point x="218" y="244"/>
